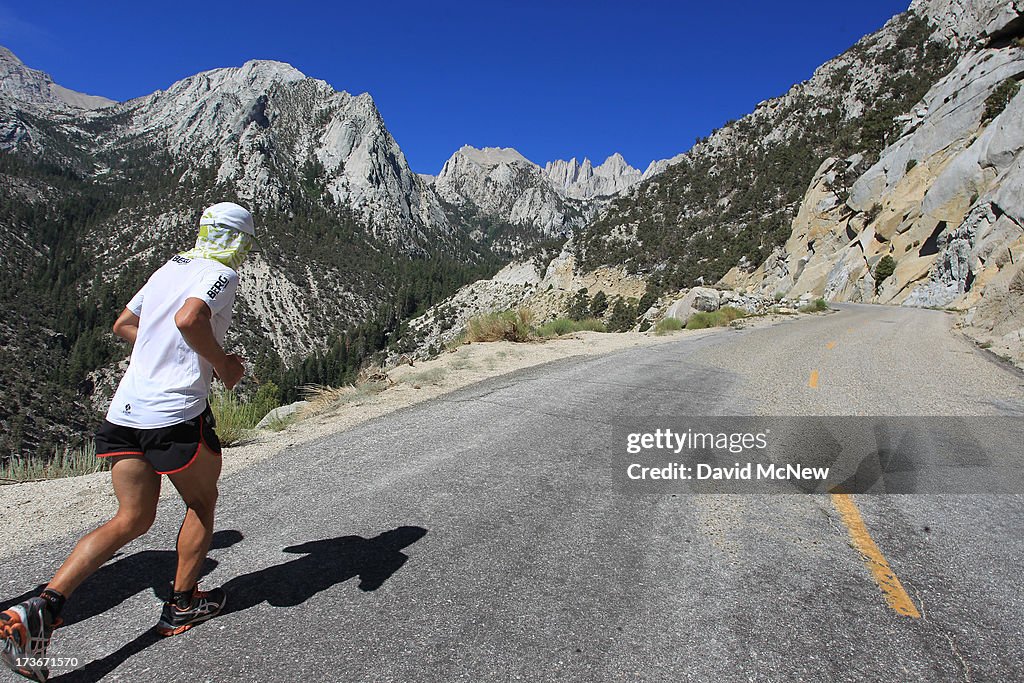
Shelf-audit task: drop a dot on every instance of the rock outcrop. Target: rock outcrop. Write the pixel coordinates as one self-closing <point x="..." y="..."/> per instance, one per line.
<point x="503" y="184"/>
<point x="585" y="181"/>
<point x="943" y="201"/>
<point x="546" y="285"/>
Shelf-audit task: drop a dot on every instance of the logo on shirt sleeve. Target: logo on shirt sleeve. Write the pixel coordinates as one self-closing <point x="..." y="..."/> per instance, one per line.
<point x="217" y="287"/>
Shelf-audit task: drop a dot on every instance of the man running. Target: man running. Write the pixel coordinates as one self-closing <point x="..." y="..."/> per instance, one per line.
<point x="159" y="422"/>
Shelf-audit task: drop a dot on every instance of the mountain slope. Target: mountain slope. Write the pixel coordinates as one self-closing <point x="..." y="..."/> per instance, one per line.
<point x="92" y="201"/>
<point x="937" y="220"/>
<point x="36" y="87"/>
<point x="502" y="184"/>
<point x="512" y="204"/>
<point x="732" y="197"/>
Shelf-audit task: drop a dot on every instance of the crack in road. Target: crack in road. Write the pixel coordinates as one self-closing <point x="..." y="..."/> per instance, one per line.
<point x="965" y="668"/>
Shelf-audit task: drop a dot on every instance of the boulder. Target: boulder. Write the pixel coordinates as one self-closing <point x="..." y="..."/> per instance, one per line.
<point x="280" y="413"/>
<point x="697" y="299"/>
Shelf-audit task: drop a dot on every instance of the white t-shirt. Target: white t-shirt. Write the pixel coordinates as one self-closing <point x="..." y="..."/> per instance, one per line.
<point x="167" y="382"/>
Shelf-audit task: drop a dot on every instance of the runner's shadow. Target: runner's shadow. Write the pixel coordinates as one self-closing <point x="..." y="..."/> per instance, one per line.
<point x="95" y="670"/>
<point x="115" y="582"/>
<point x="323" y="564"/>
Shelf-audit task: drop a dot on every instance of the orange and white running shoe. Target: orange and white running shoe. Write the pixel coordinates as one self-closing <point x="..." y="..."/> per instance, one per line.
<point x="26" y="629"/>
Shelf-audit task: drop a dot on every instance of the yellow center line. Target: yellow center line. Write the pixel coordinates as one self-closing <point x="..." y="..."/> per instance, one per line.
<point x="873" y="558"/>
<point x="813" y="381"/>
<point x="831" y="345"/>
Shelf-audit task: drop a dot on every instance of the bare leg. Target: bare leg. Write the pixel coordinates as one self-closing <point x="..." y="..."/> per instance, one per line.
<point x="137" y="486"/>
<point x="197" y="485"/>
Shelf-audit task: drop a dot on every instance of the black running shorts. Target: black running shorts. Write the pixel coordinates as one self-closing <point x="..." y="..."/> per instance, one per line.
<point x="168" y="449"/>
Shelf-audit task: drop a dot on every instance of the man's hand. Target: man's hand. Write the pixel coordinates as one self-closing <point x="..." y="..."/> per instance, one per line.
<point x="193" y="321"/>
<point x="231" y="370"/>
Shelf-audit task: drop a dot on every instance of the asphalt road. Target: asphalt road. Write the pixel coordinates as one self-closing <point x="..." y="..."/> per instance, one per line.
<point x="481" y="536"/>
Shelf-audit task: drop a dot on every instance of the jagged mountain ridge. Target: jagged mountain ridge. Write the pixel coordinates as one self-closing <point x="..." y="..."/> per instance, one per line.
<point x="586" y="181"/>
<point x="93" y="200"/>
<point x="256" y="125"/>
<point x="500" y="184"/>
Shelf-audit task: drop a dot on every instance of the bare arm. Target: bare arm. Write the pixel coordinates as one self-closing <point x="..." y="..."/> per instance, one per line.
<point x="127" y="326"/>
<point x="193" y="321"/>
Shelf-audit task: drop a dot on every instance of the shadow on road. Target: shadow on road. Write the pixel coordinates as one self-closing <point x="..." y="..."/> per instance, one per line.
<point x="115" y="582"/>
<point x="323" y="564"/>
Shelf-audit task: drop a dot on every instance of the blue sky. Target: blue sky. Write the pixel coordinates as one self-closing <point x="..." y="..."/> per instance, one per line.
<point x="553" y="79"/>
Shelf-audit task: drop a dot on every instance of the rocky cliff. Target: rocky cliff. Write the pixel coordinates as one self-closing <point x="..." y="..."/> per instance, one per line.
<point x="500" y="187"/>
<point x="586" y="181"/>
<point x="501" y="183"/>
<point x="941" y="205"/>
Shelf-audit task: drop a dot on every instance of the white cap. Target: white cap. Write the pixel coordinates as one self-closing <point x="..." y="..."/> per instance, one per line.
<point x="229" y="215"/>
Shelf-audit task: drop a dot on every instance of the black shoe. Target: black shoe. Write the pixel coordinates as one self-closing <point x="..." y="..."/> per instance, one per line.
<point x="205" y="605"/>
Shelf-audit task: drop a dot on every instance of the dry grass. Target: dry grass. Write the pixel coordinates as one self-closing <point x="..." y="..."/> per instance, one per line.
<point x="370" y="382"/>
<point x="431" y="376"/>
<point x="514" y="326"/>
<point x="69" y="462"/>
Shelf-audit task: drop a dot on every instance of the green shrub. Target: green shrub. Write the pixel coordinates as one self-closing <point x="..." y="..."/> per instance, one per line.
<point x="719" y="318"/>
<point x="1000" y="97"/>
<point x="591" y="325"/>
<point x="267" y="397"/>
<point x="234" y="416"/>
<point x="886" y="267"/>
<point x="666" y="325"/>
<point x="556" y="328"/>
<point x="561" y="326"/>
<point x="599" y="304"/>
<point x="579" y="307"/>
<point x="816" y="306"/>
<point x="623" y="316"/>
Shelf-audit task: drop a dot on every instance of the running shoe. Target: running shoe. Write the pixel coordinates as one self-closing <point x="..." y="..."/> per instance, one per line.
<point x="26" y="630"/>
<point x="205" y="605"/>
